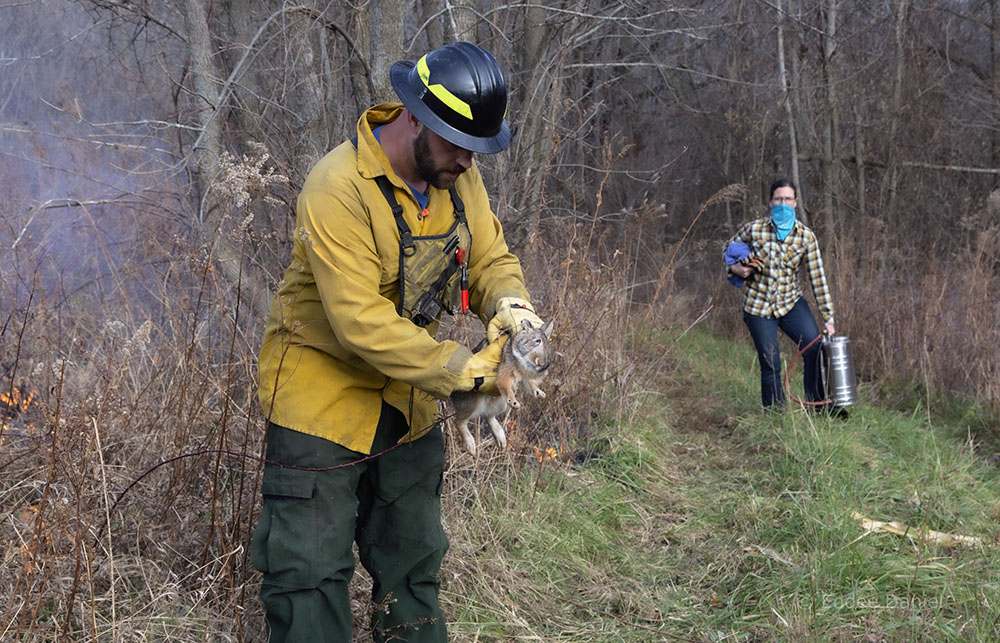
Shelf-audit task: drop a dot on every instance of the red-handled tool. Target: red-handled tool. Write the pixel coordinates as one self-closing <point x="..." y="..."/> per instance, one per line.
<point x="461" y="259"/>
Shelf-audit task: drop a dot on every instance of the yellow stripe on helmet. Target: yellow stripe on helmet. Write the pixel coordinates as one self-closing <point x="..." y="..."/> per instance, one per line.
<point x="442" y="93"/>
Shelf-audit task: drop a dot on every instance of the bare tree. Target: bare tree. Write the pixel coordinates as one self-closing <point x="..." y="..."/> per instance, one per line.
<point x="831" y="125"/>
<point x="995" y="86"/>
<point x="786" y="99"/>
<point x="889" y="187"/>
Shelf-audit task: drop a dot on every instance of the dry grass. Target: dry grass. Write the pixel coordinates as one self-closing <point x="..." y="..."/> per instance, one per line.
<point x="113" y="399"/>
<point x="153" y="363"/>
<point x="922" y="319"/>
<point x="156" y="362"/>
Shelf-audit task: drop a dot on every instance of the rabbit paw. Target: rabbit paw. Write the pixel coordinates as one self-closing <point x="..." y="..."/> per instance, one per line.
<point x="470" y="443"/>
<point x="498" y="432"/>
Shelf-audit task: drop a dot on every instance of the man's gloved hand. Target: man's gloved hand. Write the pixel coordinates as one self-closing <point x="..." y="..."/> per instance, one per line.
<point x="480" y="372"/>
<point x="511" y="311"/>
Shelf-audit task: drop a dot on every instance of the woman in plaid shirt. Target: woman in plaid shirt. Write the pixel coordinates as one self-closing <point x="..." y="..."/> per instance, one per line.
<point x="772" y="297"/>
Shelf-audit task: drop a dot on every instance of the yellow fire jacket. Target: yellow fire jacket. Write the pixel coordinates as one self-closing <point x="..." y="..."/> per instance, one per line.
<point x="334" y="346"/>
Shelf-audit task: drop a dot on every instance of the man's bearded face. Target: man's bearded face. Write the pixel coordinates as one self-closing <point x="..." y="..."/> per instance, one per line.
<point x="441" y="176"/>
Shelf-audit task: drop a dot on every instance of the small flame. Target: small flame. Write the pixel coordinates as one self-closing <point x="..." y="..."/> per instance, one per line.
<point x="546" y="455"/>
<point x="516" y="443"/>
<point x="14" y="403"/>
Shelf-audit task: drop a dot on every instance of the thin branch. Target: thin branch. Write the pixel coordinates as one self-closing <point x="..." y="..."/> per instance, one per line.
<point x="657" y="65"/>
<point x="251" y="52"/>
<point x="952" y="168"/>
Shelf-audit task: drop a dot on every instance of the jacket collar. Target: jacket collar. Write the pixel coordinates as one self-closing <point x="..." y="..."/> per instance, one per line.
<point x="372" y="160"/>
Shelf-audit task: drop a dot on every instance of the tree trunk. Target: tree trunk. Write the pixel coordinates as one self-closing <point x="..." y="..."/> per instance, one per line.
<point x="543" y="92"/>
<point x="434" y="23"/>
<point x="830" y="126"/>
<point x="732" y="135"/>
<point x="859" y="159"/>
<point x="379" y="25"/>
<point x="207" y="151"/>
<point x="789" y="113"/>
<point x="384" y="30"/>
<point x="308" y="98"/>
<point x="204" y="75"/>
<point x="892" y="180"/>
<point x="241" y="24"/>
<point x="995" y="85"/>
<point x="462" y="17"/>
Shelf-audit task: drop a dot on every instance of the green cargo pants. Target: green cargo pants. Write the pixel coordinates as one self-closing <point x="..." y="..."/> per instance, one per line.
<point x="390" y="505"/>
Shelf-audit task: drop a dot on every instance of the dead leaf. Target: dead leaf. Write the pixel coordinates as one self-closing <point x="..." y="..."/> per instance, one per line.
<point x="926" y="535"/>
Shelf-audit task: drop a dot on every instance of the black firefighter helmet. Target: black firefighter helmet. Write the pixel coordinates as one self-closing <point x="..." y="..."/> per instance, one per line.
<point x="458" y="92"/>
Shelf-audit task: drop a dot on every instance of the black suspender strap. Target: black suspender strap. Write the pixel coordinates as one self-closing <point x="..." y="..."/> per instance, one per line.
<point x="458" y="205"/>
<point x="405" y="235"/>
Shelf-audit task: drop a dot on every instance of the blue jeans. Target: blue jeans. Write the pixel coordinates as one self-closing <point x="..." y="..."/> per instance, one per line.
<point x="800" y="325"/>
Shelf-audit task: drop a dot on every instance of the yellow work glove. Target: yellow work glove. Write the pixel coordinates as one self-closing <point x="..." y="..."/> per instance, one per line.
<point x="511" y="311"/>
<point x="480" y="372"/>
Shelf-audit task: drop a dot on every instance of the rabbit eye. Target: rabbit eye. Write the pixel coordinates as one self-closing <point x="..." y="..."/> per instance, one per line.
<point x="537" y="341"/>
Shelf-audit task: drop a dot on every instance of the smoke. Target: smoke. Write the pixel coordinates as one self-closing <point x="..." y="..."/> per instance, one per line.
<point x="87" y="166"/>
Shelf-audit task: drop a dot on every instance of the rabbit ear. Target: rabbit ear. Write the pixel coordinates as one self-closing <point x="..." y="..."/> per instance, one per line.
<point x="526" y="325"/>
<point x="547" y="329"/>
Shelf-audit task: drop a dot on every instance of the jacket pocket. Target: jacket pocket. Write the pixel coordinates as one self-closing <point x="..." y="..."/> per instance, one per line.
<point x="793" y="254"/>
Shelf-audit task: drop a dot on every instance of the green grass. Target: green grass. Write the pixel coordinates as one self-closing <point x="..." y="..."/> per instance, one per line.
<point x="708" y="520"/>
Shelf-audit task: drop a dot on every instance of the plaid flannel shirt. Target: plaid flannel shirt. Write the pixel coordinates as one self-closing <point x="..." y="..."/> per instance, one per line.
<point x="773" y="290"/>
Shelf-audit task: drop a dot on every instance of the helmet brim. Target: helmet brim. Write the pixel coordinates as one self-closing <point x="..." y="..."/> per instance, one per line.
<point x="400" y="77"/>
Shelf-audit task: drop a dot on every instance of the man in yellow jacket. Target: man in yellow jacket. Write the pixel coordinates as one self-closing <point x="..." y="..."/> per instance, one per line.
<point x="393" y="228"/>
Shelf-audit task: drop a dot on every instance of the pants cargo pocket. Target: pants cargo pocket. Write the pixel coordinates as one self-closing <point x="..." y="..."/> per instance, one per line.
<point x="285" y="541"/>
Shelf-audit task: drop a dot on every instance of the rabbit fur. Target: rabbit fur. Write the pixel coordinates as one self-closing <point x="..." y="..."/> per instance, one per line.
<point x="526" y="357"/>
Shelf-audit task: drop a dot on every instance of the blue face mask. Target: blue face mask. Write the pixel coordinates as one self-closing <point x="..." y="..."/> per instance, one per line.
<point x="783" y="218"/>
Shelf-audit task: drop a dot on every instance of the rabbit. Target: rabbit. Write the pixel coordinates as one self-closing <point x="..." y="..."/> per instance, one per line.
<point x="525" y="357"/>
